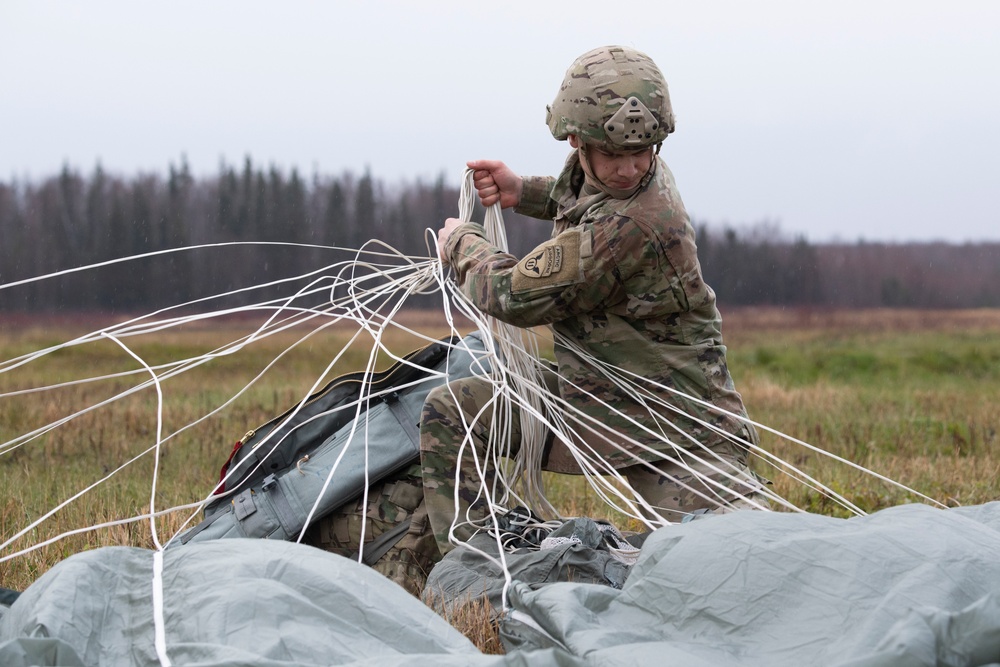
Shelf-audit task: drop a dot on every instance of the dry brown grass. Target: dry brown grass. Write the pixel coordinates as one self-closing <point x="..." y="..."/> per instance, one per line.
<point x="474" y="618"/>
<point x="900" y="392"/>
<point x="757" y="321"/>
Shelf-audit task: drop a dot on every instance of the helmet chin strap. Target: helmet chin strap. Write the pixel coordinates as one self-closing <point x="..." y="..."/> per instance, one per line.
<point x="615" y="193"/>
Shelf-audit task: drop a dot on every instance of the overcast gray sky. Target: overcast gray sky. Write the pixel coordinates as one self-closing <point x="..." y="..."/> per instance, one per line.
<point x="873" y="119"/>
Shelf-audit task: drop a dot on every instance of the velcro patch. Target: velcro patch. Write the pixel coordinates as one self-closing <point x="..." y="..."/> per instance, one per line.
<point x="554" y="263"/>
<point x="542" y="263"/>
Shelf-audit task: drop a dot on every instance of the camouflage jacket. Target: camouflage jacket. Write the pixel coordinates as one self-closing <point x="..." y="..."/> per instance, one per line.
<point x="619" y="279"/>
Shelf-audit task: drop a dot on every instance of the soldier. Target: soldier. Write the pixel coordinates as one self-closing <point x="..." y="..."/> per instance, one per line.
<point x="620" y="284"/>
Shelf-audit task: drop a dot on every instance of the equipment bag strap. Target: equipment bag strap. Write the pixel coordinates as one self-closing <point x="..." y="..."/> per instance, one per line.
<point x="380" y="545"/>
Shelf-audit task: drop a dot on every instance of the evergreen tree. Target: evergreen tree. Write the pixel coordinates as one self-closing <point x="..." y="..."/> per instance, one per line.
<point x="802" y="281"/>
<point x="228" y="218"/>
<point x="12" y="248"/>
<point x="70" y="220"/>
<point x="245" y="197"/>
<point x="336" y="225"/>
<point x="294" y="210"/>
<point x="115" y="280"/>
<point x="175" y="233"/>
<point x="365" y="214"/>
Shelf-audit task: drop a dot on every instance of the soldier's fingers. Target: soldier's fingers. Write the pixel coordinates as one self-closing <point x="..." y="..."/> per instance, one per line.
<point x="484" y="165"/>
<point x="488" y="194"/>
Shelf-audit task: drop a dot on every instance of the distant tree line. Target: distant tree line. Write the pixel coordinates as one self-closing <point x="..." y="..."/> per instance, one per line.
<point x="759" y="266"/>
<point x="73" y="220"/>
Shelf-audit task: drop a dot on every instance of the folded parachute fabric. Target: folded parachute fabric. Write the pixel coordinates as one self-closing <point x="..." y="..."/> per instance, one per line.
<point x="226" y="603"/>
<point x="910" y="585"/>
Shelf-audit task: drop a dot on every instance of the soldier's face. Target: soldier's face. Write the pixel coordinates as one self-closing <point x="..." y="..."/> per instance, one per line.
<point x="619" y="170"/>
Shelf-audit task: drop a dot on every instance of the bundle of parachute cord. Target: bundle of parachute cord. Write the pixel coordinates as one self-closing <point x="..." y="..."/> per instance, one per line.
<point x="369" y="289"/>
<point x="533" y="519"/>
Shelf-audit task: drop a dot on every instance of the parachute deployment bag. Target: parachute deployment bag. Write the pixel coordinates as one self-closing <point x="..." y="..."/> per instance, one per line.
<point x="277" y="473"/>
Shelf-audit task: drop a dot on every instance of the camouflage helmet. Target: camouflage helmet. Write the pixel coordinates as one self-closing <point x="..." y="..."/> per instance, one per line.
<point x="612" y="97"/>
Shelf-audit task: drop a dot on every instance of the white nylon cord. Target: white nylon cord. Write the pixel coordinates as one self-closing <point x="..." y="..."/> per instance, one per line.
<point x="159" y="629"/>
<point x="521" y="381"/>
<point x="377" y="280"/>
<point x="522" y="378"/>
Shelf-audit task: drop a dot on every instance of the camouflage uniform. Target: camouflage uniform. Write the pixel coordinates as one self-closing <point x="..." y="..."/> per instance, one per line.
<point x="390" y="503"/>
<point x="618" y="281"/>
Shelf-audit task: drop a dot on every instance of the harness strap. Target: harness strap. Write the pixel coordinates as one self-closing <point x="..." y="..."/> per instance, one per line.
<point x="380" y="545"/>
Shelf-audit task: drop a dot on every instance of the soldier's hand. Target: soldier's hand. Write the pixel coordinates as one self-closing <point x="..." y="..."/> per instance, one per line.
<point x="449" y="226"/>
<point x="495" y="182"/>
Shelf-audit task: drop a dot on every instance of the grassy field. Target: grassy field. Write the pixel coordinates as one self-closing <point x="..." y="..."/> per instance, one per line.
<point x="912" y="395"/>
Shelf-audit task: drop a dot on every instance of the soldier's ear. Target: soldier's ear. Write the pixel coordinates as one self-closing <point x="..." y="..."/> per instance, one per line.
<point x="573" y="141"/>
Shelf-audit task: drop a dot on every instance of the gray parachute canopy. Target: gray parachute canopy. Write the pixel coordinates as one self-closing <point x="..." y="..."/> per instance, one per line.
<point x="909" y="585"/>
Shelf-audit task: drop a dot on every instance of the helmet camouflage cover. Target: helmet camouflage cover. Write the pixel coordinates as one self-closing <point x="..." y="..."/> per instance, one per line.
<point x="615" y="98"/>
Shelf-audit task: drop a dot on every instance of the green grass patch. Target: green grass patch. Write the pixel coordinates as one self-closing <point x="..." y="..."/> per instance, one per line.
<point x="902" y="395"/>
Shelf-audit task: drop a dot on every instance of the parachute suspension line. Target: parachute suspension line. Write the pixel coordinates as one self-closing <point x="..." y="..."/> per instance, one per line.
<point x="169" y="251"/>
<point x="87" y="529"/>
<point x="175" y="368"/>
<point x="626" y="379"/>
<point x="416" y="275"/>
<point x="159" y="628"/>
<point x="417" y="281"/>
<point x="690" y="456"/>
<point x="516" y="380"/>
<point x="159" y="439"/>
<point x="502" y="379"/>
<point x="453" y="298"/>
<point x="377" y="280"/>
<point x="522" y="382"/>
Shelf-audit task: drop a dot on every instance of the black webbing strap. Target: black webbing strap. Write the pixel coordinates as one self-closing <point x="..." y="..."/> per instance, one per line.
<point x="380" y="546"/>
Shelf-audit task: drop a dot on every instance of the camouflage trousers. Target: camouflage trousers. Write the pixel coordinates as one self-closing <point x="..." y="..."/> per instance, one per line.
<point x="398" y="541"/>
<point x="673" y="489"/>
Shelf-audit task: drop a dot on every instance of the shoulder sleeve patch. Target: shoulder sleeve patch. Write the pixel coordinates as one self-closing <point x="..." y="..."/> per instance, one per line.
<point x="552" y="264"/>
